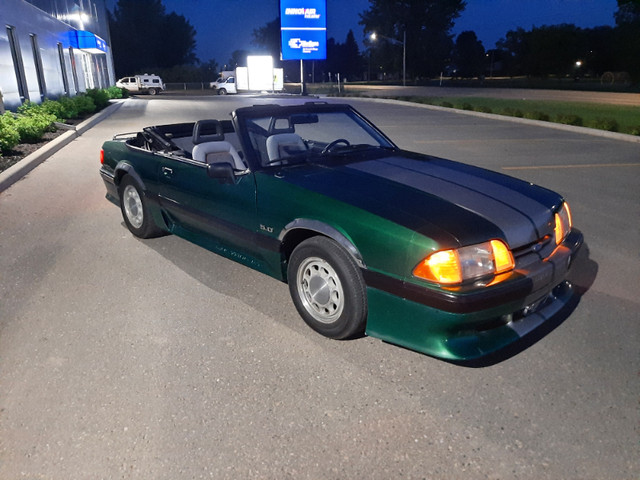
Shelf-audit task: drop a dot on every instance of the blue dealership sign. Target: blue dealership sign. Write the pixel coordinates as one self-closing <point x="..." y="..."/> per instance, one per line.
<point x="85" y="40"/>
<point x="303" y="29"/>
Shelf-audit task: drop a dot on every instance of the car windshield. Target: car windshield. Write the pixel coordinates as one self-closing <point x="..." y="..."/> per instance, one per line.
<point x="292" y="138"/>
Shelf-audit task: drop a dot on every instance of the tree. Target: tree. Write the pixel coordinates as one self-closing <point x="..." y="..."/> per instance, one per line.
<point x="628" y="12"/>
<point x="178" y="40"/>
<point x="350" y="55"/>
<point x="514" y="50"/>
<point x="238" y="59"/>
<point x="627" y="53"/>
<point x="343" y="58"/>
<point x="268" y="38"/>
<point x="145" y="38"/>
<point x="546" y="50"/>
<point x="469" y="55"/>
<point x="556" y="49"/>
<point x="427" y="24"/>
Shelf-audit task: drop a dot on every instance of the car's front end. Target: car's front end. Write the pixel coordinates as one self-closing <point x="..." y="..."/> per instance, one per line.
<point x="458" y="261"/>
<point x="486" y="265"/>
<point x="471" y="319"/>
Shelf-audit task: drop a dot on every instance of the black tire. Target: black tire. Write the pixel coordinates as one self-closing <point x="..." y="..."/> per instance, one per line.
<point x="152" y="91"/>
<point x="327" y="288"/>
<point x="222" y="91"/>
<point x="135" y="212"/>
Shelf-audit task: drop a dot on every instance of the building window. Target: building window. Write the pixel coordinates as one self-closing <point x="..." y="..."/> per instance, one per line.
<point x="18" y="66"/>
<point x="63" y="67"/>
<point x="37" y="60"/>
<point x="74" y="71"/>
<point x="87" y="69"/>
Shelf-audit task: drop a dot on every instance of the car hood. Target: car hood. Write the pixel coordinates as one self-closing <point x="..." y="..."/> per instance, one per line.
<point x="438" y="197"/>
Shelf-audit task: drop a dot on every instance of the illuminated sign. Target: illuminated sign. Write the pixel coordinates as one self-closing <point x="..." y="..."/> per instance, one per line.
<point x="260" y="72"/>
<point x="87" y="41"/>
<point x="303" y="27"/>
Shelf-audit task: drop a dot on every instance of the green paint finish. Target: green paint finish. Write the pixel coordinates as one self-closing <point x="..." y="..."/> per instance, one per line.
<point x="432" y="331"/>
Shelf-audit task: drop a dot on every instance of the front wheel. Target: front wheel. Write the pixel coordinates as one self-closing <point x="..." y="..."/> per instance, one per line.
<point x="222" y="91"/>
<point x="327" y="288"/>
<point x="134" y="209"/>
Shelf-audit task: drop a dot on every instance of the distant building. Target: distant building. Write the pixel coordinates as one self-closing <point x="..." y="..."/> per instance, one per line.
<point x="52" y="48"/>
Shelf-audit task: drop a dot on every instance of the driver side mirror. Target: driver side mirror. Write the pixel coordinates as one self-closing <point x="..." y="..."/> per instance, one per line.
<point x="223" y="172"/>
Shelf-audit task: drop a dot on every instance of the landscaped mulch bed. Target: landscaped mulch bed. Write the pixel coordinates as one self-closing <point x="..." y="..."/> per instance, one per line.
<point x="10" y="158"/>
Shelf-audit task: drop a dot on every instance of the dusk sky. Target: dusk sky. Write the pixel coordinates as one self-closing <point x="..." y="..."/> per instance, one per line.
<point x="227" y="25"/>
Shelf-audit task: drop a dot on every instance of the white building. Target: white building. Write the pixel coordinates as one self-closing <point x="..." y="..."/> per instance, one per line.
<point x="52" y="48"/>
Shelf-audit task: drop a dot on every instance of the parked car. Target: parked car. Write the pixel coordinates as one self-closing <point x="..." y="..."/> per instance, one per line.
<point x="225" y="83"/>
<point x="151" y="84"/>
<point x="437" y="256"/>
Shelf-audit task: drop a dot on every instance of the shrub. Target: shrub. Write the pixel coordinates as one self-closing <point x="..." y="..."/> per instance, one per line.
<point x="569" y="119"/>
<point x="32" y="127"/>
<point x="32" y="121"/>
<point x="467" y="106"/>
<point x="512" y="112"/>
<point x="608" y="124"/>
<point x="446" y="104"/>
<point x="536" y="115"/>
<point x="100" y="98"/>
<point x="28" y="108"/>
<point x="9" y="136"/>
<point x="483" y="109"/>
<point x="84" y="104"/>
<point x="117" y="92"/>
<point x="69" y="108"/>
<point x="54" y="108"/>
<point x="635" y="130"/>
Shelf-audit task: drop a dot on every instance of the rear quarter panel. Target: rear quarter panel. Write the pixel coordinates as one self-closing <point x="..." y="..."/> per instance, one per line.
<point x="120" y="158"/>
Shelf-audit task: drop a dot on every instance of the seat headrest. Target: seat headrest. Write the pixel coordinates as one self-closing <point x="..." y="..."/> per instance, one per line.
<point x="207" y="131"/>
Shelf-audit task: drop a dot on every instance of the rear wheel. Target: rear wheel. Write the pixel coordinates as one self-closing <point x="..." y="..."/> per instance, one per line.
<point x="134" y="209"/>
<point x="327" y="288"/>
<point x="152" y="91"/>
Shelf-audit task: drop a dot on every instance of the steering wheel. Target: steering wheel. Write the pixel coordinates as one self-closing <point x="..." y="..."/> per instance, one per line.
<point x="331" y="145"/>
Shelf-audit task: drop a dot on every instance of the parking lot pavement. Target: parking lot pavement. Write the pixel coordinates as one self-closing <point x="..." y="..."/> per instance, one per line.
<point x="122" y="358"/>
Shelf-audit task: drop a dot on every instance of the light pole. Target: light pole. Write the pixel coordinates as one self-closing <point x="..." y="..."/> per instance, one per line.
<point x="375" y="35"/>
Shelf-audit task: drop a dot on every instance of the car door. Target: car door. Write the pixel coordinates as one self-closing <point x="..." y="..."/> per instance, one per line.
<point x="207" y="210"/>
<point x="131" y="84"/>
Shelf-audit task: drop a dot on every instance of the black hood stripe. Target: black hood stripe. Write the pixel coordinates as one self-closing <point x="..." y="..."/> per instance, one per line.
<point x="522" y="217"/>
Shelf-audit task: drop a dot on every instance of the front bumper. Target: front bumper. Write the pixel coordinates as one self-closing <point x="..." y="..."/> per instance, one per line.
<point x="467" y="323"/>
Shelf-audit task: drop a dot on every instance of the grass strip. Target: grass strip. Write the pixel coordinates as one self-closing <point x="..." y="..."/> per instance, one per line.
<point x="613" y="118"/>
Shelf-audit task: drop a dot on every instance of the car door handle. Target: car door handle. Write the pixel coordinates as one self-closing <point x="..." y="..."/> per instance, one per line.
<point x="167" y="172"/>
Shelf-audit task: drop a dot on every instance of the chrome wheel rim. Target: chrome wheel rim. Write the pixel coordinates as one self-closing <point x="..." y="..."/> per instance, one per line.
<point x="320" y="290"/>
<point x="133" y="206"/>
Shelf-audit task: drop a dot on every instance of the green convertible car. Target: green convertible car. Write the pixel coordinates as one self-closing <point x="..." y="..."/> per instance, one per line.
<point x="440" y="257"/>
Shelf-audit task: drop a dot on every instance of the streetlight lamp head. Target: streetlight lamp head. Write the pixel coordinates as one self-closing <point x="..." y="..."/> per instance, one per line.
<point x="373" y="36"/>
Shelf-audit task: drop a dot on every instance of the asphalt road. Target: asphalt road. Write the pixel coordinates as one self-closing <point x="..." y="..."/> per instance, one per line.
<point x="130" y="359"/>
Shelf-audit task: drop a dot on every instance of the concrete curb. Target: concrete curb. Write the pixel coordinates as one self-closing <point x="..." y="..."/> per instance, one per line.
<point x="24" y="166"/>
<point x="524" y="121"/>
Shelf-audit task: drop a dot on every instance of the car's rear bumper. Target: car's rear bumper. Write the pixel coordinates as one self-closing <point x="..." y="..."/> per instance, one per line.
<point x="109" y="182"/>
<point x="463" y="325"/>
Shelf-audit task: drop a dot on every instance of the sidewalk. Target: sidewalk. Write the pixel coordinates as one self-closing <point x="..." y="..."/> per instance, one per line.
<point x="24" y="166"/>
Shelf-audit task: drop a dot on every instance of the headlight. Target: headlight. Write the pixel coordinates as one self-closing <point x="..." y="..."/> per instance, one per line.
<point x="467" y="263"/>
<point x="563" y="223"/>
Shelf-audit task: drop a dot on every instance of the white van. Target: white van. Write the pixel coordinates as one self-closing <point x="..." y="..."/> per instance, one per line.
<point x="146" y="83"/>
